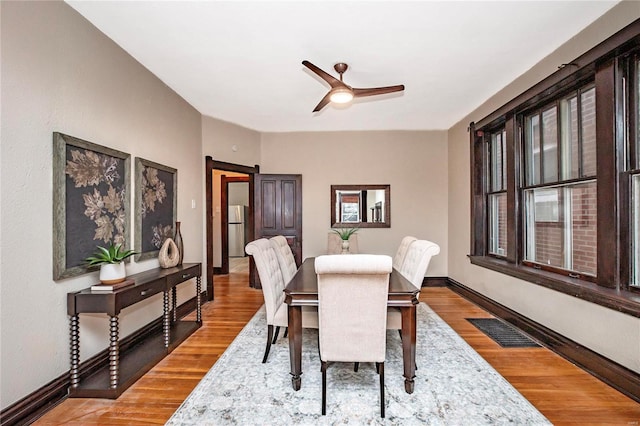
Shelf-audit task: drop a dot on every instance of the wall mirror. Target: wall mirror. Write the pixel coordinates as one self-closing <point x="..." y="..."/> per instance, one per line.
<point x="362" y="206"/>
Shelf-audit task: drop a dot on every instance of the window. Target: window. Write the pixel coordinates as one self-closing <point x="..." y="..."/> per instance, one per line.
<point x="634" y="142"/>
<point x="350" y="207"/>
<point x="555" y="179"/>
<point x="636" y="104"/>
<point x="561" y="227"/>
<point x="497" y="194"/>
<point x="635" y="214"/>
<point x="560" y="198"/>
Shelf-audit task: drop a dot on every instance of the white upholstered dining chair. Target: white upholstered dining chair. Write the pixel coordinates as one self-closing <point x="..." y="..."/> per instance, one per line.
<point x="401" y="253"/>
<point x="417" y="260"/>
<point x="273" y="284"/>
<point x="414" y="267"/>
<point x="348" y="331"/>
<point x="286" y="260"/>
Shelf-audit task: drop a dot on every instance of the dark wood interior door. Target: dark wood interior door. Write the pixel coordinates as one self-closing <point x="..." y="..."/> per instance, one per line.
<point x="277" y="211"/>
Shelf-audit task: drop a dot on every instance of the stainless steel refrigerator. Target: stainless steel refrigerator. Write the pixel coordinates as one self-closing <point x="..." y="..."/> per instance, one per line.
<point x="237" y="230"/>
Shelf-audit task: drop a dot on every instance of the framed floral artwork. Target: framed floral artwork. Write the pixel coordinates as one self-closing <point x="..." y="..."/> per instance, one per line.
<point x="91" y="202"/>
<point x="155" y="206"/>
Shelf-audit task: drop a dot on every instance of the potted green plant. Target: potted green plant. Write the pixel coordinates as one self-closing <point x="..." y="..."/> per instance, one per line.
<point x="345" y="234"/>
<point x="110" y="259"/>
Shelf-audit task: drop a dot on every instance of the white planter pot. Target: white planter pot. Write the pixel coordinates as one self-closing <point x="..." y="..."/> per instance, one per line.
<point x="112" y="273"/>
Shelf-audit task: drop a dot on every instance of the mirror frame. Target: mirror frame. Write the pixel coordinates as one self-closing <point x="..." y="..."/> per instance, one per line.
<point x="387" y="210"/>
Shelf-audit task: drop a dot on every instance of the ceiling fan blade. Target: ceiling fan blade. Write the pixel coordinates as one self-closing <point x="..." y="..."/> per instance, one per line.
<point x="360" y="93"/>
<point x="323" y="103"/>
<point x="333" y="82"/>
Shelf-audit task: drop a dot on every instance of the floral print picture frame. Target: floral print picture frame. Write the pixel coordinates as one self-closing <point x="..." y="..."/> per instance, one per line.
<point x="91" y="202"/>
<point x="155" y="206"/>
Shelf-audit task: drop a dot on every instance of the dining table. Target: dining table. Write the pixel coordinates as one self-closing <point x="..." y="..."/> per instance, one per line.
<point x="302" y="291"/>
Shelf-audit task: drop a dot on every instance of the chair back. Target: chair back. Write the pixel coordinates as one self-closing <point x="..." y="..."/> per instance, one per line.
<point x="352" y="306"/>
<point x="398" y="259"/>
<point x="285" y="257"/>
<point x="417" y="261"/>
<point x="334" y="244"/>
<point x="270" y="276"/>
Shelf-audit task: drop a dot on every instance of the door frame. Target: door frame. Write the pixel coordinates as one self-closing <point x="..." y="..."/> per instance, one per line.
<point x="210" y="165"/>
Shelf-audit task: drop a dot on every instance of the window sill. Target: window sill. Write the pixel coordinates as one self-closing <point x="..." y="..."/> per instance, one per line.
<point x="621" y="301"/>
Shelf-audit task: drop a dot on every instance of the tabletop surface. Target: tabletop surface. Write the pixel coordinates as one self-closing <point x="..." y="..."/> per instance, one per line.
<point x="144" y="277"/>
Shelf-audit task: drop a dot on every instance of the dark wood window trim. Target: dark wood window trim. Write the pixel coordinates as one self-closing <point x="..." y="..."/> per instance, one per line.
<point x="478" y="205"/>
<point x="630" y="68"/>
<point x="607" y="183"/>
<point x="601" y="66"/>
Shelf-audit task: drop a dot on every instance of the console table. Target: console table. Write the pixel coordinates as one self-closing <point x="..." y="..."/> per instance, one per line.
<point x="127" y="366"/>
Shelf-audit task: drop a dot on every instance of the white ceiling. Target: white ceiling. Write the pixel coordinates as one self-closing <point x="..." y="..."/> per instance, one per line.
<point x="241" y="61"/>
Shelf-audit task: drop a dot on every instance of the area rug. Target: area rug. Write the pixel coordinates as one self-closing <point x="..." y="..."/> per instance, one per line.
<point x="453" y="385"/>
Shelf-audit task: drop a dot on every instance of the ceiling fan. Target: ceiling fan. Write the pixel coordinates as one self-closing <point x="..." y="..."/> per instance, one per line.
<point x="341" y="92"/>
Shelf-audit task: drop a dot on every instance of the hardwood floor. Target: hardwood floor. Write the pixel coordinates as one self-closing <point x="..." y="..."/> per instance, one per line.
<point x="239" y="265"/>
<point x="565" y="394"/>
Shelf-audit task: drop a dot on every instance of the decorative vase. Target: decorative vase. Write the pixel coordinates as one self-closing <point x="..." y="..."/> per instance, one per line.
<point x="112" y="273"/>
<point x="179" y="243"/>
<point x="345" y="246"/>
<point x="169" y="255"/>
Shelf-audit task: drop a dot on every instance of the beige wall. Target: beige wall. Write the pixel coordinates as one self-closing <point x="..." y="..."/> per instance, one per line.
<point x="413" y="163"/>
<point x="230" y="143"/>
<point x="59" y="73"/>
<point x="610" y="333"/>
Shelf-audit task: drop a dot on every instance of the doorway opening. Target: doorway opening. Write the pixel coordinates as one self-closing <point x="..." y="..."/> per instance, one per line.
<point x="234" y="228"/>
<point x="229" y="218"/>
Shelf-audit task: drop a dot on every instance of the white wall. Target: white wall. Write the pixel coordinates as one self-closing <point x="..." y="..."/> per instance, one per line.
<point x="610" y="333"/>
<point x="413" y="163"/>
<point x="59" y="73"/>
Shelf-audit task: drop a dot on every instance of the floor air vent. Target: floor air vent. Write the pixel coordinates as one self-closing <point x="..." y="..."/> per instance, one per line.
<point x="503" y="334"/>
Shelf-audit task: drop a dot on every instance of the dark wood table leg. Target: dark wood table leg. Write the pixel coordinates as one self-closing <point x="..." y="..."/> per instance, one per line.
<point x="74" y="328"/>
<point x="409" y="346"/>
<point x="166" y="319"/>
<point x="295" y="345"/>
<point x="198" y="301"/>
<point x="114" y="352"/>
<point x="174" y="303"/>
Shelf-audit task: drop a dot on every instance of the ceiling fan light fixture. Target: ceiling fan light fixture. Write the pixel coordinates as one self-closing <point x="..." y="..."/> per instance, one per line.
<point x="341" y="95"/>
